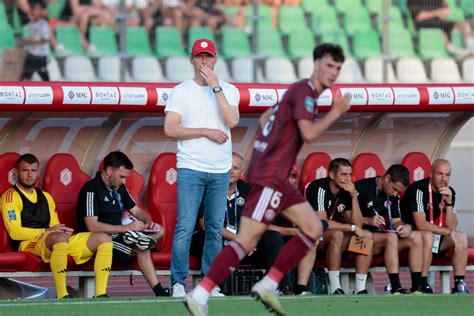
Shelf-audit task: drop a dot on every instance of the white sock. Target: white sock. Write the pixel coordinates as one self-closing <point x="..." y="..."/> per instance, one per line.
<point x="469" y="42"/>
<point x="360" y="282"/>
<point x="200" y="295"/>
<point x="268" y="284"/>
<point x="334" y="280"/>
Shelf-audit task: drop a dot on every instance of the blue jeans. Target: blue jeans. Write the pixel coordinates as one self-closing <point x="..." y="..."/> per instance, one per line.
<point x="195" y="187"/>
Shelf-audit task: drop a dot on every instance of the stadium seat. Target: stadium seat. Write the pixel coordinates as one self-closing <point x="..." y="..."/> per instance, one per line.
<point x="270" y="45"/>
<point x="264" y="17"/>
<point x="411" y="70"/>
<point x="431" y="44"/>
<point x="108" y="68"/>
<point x="373" y="71"/>
<point x="456" y="14"/>
<point x="344" y="6"/>
<point x="103" y="38"/>
<point x="468" y="7"/>
<point x="55" y="8"/>
<point x="8" y="175"/>
<point x="63" y="179"/>
<point x="312" y="6"/>
<point x="337" y="37"/>
<point x="350" y="72"/>
<point x="400" y="43"/>
<point x="357" y="21"/>
<point x="79" y="68"/>
<point x="147" y="69"/>
<point x="137" y="43"/>
<point x="305" y="67"/>
<point x="325" y="21"/>
<point x="3" y="16"/>
<point x="54" y="71"/>
<point x="195" y="33"/>
<point x="445" y="70"/>
<point x="7" y="40"/>
<point x="242" y="70"/>
<point x="468" y="70"/>
<point x="418" y="164"/>
<point x="235" y="43"/>
<point x="366" y="44"/>
<point x="291" y="18"/>
<point x="222" y="70"/>
<point x="162" y="203"/>
<point x="395" y="19"/>
<point x="178" y="69"/>
<point x="315" y="167"/>
<point x="300" y="43"/>
<point x="279" y="70"/>
<point x="168" y="42"/>
<point x="366" y="165"/>
<point x="69" y="36"/>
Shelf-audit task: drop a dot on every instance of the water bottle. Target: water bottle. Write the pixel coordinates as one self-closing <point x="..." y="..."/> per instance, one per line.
<point x="388" y="288"/>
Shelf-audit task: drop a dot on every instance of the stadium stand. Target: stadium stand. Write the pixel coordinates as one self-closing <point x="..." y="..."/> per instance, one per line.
<point x="147" y="69"/>
<point x="279" y="70"/>
<point x="79" y="68"/>
<point x="468" y="70"/>
<point x="168" y="42"/>
<point x="411" y="70"/>
<point x="373" y="71"/>
<point x="178" y="69"/>
<point x="235" y="43"/>
<point x="350" y="72"/>
<point x="315" y="167"/>
<point x="445" y="70"/>
<point x="103" y="38"/>
<point x="109" y="68"/>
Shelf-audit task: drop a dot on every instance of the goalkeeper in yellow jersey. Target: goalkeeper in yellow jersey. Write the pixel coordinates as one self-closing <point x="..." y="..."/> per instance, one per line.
<point x="32" y="222"/>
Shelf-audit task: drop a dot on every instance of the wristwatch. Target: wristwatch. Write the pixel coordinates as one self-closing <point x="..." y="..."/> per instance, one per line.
<point x="217" y="89"/>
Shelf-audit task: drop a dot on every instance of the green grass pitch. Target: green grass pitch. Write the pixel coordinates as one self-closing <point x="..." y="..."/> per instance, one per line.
<point x="380" y="305"/>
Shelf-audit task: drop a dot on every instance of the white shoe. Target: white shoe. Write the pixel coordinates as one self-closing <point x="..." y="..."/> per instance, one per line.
<point x="92" y="51"/>
<point x="61" y="51"/>
<point x="194" y="307"/>
<point x="216" y="292"/>
<point x="178" y="290"/>
<point x="268" y="298"/>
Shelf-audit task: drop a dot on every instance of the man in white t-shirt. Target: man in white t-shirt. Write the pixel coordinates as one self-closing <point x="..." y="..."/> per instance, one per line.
<point x="199" y="114"/>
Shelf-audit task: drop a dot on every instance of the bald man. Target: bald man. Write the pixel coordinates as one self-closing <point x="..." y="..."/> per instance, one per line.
<point x="428" y="205"/>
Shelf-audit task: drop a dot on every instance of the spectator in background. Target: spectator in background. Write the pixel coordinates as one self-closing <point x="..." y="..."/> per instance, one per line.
<point x="434" y="14"/>
<point x="428" y="205"/>
<point x="235" y="13"/>
<point x="199" y="114"/>
<point x="206" y="13"/>
<point x="37" y="50"/>
<point x="172" y="14"/>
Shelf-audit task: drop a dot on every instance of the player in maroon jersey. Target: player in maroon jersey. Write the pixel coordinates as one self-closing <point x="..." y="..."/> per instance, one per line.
<point x="284" y="130"/>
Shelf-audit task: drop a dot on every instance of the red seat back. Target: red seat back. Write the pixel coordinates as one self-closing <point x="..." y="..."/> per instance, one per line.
<point x="366" y="165"/>
<point x="314" y="167"/>
<point x="162" y="198"/>
<point x="8" y="175"/>
<point x="63" y="179"/>
<point x="418" y="164"/>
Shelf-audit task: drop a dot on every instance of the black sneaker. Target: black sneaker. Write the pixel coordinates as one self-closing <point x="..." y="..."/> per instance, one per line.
<point x="461" y="288"/>
<point x="417" y="291"/>
<point x="338" y="292"/>
<point x="363" y="292"/>
<point x="427" y="289"/>
<point x="400" y="291"/>
<point x="160" y="291"/>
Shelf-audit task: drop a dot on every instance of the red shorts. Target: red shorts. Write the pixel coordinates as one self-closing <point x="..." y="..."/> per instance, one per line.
<point x="263" y="204"/>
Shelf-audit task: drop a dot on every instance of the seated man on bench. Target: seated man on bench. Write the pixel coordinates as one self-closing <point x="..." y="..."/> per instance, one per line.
<point x="32" y="223"/>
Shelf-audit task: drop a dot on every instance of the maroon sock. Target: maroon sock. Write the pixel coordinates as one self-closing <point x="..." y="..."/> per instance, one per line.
<point x="227" y="260"/>
<point x="290" y="255"/>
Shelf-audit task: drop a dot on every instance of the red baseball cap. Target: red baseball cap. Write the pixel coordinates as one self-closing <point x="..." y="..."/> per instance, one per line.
<point x="203" y="45"/>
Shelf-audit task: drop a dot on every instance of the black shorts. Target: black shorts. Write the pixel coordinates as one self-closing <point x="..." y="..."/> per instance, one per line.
<point x="446" y="26"/>
<point x="122" y="252"/>
<point x="35" y="63"/>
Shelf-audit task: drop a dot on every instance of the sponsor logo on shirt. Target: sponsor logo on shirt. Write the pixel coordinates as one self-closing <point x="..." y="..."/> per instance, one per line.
<point x="309" y="104"/>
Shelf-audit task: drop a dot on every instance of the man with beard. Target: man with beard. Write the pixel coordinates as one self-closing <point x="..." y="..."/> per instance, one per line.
<point x="101" y="205"/>
<point x="32" y="222"/>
